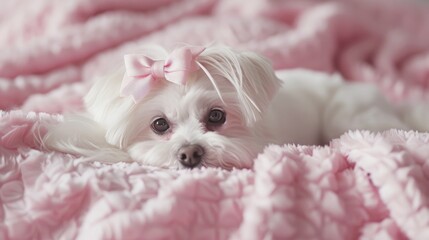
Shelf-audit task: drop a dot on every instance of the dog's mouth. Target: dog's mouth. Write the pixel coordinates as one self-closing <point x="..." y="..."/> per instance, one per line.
<point x="198" y="166"/>
<point x="205" y="163"/>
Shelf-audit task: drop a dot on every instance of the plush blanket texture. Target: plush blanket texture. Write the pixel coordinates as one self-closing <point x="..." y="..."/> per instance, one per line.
<point x="361" y="186"/>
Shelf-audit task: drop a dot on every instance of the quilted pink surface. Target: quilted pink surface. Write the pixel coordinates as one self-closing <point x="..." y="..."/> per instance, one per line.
<point x="362" y="186"/>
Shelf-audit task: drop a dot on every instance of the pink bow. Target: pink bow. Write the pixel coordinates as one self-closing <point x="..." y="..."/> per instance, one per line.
<point x="142" y="71"/>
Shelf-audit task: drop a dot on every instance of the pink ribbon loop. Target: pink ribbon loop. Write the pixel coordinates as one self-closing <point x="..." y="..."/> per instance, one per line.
<point x="141" y="72"/>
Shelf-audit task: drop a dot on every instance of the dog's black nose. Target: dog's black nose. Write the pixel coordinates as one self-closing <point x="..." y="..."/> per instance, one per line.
<point x="191" y="155"/>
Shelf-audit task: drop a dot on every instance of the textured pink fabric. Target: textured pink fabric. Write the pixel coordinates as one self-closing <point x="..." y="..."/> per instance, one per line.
<point x="362" y="186"/>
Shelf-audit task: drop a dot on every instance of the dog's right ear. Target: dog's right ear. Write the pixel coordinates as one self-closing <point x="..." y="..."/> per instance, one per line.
<point x="110" y="110"/>
<point x="103" y="94"/>
<point x="85" y="134"/>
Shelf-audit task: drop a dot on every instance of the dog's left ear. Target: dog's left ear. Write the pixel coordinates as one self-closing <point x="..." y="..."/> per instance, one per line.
<point x="259" y="85"/>
<point x="251" y="75"/>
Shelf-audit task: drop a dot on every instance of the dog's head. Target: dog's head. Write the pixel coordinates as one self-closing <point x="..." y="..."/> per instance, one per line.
<point x="209" y="120"/>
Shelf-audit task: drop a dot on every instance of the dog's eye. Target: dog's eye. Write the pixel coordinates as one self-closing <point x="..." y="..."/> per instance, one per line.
<point x="160" y="125"/>
<point x="216" y="117"/>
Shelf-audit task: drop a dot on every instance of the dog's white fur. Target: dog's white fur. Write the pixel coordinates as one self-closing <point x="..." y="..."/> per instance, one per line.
<point x="296" y="106"/>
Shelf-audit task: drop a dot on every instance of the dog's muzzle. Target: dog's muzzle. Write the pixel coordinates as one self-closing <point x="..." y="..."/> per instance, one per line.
<point x="190" y="156"/>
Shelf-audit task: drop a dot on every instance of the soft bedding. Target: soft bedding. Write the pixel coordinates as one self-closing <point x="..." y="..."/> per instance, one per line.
<point x="362" y="185"/>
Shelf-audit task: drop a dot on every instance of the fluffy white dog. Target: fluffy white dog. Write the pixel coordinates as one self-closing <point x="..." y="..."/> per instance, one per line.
<point x="217" y="107"/>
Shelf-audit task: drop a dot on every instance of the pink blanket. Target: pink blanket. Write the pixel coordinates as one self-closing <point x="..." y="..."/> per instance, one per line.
<point x="361" y="186"/>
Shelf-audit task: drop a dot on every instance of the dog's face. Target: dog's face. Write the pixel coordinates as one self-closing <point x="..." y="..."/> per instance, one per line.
<point x="191" y="126"/>
<point x="199" y="124"/>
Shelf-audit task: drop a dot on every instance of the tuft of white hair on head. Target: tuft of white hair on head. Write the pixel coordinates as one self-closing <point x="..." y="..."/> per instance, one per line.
<point x="251" y="75"/>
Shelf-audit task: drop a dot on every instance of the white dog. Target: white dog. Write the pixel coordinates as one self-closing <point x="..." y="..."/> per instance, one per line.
<point x="217" y="107"/>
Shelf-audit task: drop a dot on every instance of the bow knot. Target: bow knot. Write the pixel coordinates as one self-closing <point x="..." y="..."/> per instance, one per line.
<point x="142" y="71"/>
<point x="157" y="69"/>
